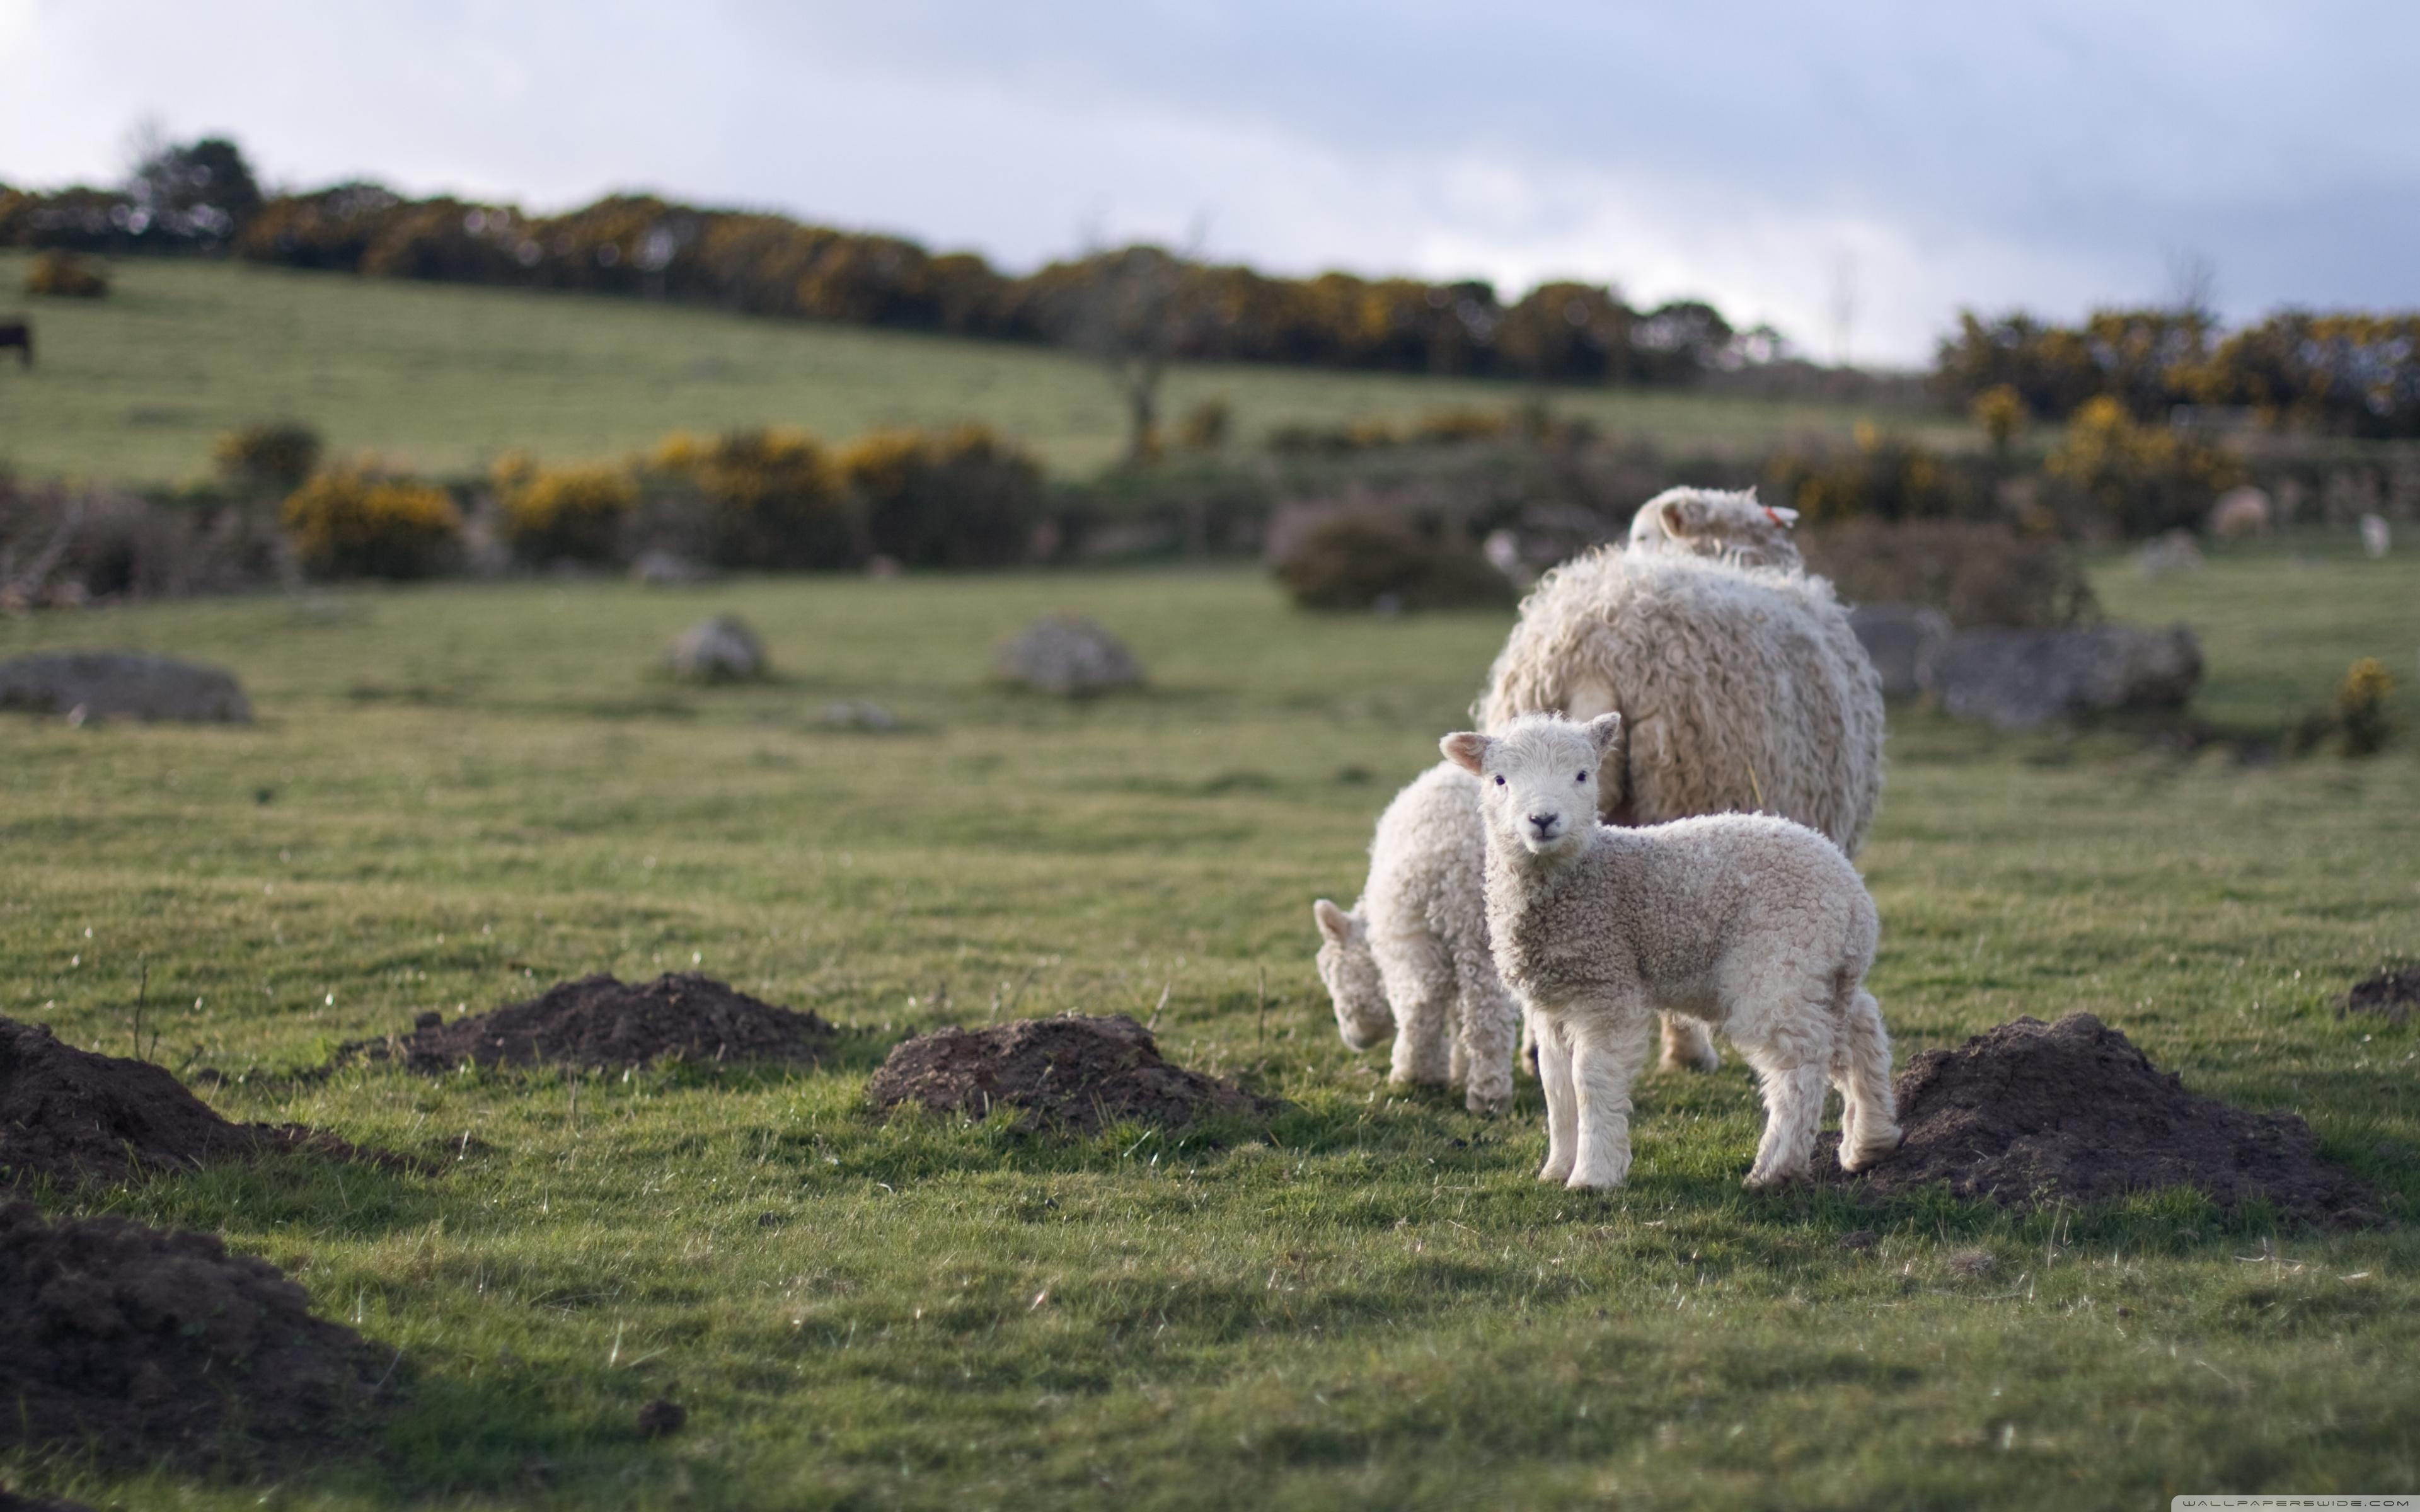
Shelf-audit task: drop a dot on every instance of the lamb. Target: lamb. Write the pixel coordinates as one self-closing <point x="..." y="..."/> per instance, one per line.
<point x="1744" y="686"/>
<point x="1710" y="522"/>
<point x="1752" y="922"/>
<point x="1412" y="955"/>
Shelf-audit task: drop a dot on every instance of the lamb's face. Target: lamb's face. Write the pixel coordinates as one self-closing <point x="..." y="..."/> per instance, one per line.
<point x="1350" y="973"/>
<point x="1711" y="522"/>
<point x="1537" y="780"/>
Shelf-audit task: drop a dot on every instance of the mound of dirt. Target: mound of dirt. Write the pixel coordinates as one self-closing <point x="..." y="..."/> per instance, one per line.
<point x="1071" y="1071"/>
<point x="2031" y="1112"/>
<point x="72" y="1115"/>
<point x="2392" y="995"/>
<point x="150" y="1342"/>
<point x="599" y="1022"/>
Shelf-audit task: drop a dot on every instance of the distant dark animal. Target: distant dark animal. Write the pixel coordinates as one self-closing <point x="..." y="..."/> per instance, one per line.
<point x="20" y="334"/>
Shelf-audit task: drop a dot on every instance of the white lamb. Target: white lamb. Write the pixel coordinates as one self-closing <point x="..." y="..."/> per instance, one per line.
<point x="1753" y="923"/>
<point x="1411" y="956"/>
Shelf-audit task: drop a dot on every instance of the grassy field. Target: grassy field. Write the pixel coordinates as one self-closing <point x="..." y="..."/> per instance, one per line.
<point x="455" y="794"/>
<point x="136" y="386"/>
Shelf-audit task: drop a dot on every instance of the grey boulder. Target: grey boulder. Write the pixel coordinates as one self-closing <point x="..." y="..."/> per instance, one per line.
<point x="2018" y="679"/>
<point x="1904" y="641"/>
<point x="122" y="685"/>
<point x="720" y="650"/>
<point x="1069" y="654"/>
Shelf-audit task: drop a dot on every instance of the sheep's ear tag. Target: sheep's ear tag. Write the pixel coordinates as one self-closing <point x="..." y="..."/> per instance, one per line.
<point x="1466" y="749"/>
<point x="1781" y="516"/>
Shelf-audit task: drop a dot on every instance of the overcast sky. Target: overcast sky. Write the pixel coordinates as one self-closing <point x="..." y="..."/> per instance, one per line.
<point x="1771" y="157"/>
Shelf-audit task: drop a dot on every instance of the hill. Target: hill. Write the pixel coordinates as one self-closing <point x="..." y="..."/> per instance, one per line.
<point x="137" y="385"/>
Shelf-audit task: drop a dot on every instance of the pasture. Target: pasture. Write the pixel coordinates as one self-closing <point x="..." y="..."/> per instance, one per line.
<point x="456" y="794"/>
<point x="444" y="378"/>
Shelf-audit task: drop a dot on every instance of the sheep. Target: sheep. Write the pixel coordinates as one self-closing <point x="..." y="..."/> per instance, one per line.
<point x="1711" y="523"/>
<point x="1752" y="922"/>
<point x="1411" y="956"/>
<point x="1745" y="688"/>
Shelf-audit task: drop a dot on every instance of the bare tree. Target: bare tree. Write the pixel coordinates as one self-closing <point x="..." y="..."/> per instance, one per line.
<point x="1127" y="310"/>
<point x="2193" y="284"/>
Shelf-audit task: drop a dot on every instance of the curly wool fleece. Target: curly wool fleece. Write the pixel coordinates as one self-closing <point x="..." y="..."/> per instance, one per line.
<point x="1757" y="925"/>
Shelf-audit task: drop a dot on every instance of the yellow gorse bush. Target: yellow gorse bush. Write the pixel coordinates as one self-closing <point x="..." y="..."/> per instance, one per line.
<point x="352" y="523"/>
<point x="2139" y="478"/>
<point x="577" y="513"/>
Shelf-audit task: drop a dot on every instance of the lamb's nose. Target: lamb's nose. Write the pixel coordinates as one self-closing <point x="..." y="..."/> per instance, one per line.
<point x="1544" y="821"/>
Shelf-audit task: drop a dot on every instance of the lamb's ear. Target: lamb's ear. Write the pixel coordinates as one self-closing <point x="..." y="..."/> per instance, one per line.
<point x="1603" y="732"/>
<point x="1466" y="749"/>
<point x="1333" y="923"/>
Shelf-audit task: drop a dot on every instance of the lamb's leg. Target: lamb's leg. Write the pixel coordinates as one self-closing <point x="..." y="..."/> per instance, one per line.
<point x="1869" y="1119"/>
<point x="1420" y="984"/>
<point x="1688" y="1045"/>
<point x="1607" y="1050"/>
<point x="1793" y="1109"/>
<point x="1458" y="1065"/>
<point x="1527" y="1056"/>
<point x="1490" y="1021"/>
<point x="1562" y="1106"/>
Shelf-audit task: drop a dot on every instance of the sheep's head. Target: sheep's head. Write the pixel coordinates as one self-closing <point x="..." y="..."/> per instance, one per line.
<point x="1351" y="975"/>
<point x="1537" y="779"/>
<point x="1711" y="523"/>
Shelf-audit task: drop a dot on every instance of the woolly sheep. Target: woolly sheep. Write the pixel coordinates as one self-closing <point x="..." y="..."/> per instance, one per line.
<point x="1744" y="688"/>
<point x="1411" y="956"/>
<point x="1710" y="522"/>
<point x="1754" y="923"/>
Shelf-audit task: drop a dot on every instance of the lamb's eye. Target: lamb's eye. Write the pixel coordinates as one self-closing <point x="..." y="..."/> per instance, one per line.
<point x="1582" y="778"/>
<point x="1499" y="781"/>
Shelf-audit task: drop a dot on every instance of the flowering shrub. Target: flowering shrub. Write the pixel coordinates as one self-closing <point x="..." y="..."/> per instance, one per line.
<point x="352" y="523"/>
<point x="557" y="514"/>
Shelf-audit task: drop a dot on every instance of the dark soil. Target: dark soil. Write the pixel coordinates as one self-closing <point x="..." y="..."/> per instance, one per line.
<point x="1070" y="1071"/>
<point x="2031" y="1113"/>
<point x="147" y="1343"/>
<point x="2392" y="995"/>
<point x="71" y="1115"/>
<point x="599" y="1022"/>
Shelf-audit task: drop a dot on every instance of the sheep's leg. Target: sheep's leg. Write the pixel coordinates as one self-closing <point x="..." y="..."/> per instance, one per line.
<point x="1688" y="1045"/>
<point x="1563" y="1104"/>
<point x="1420" y="984"/>
<point x="1490" y="1021"/>
<point x="1607" y="1051"/>
<point x="1458" y="1066"/>
<point x="1528" y="1054"/>
<point x="1861" y="1061"/>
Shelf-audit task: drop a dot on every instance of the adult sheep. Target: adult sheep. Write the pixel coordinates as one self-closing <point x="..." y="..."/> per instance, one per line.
<point x="1740" y="688"/>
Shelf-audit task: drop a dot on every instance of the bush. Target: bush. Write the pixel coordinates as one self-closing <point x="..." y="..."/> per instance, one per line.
<point x="65" y="275"/>
<point x="1206" y="427"/>
<point x="563" y="514"/>
<point x="268" y="458"/>
<point x="1999" y="412"/>
<point x="351" y="523"/>
<point x="2114" y="475"/>
<point x="1975" y="572"/>
<point x="1446" y="427"/>
<point x="1881" y="477"/>
<point x="2361" y="706"/>
<point x="961" y="499"/>
<point x="1360" y="557"/>
<point x="772" y="500"/>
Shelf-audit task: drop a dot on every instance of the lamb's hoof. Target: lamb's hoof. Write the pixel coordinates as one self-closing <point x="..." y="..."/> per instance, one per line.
<point x="1553" y="1175"/>
<point x="1711" y="1060"/>
<point x="1597" y="1180"/>
<point x="1489" y="1107"/>
<point x="1870" y="1151"/>
<point x="1767" y="1180"/>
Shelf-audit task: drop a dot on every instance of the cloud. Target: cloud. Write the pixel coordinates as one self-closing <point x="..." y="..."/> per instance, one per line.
<point x="2044" y="153"/>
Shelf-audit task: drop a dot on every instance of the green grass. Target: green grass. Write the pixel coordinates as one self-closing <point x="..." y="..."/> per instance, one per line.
<point x="457" y="793"/>
<point x="136" y="386"/>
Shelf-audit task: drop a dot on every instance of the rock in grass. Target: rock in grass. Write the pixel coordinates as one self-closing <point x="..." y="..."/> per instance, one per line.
<point x="720" y="650"/>
<point x="2018" y="679"/>
<point x="1903" y="641"/>
<point x="1069" y="655"/>
<point x="122" y="685"/>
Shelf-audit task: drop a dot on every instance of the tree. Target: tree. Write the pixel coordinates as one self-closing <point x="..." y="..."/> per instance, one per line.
<point x="202" y="191"/>
<point x="1126" y="309"/>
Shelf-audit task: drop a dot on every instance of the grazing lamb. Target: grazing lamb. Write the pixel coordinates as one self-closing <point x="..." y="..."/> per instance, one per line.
<point x="1709" y="522"/>
<point x="1753" y="923"/>
<point x="1411" y="958"/>
<point x="1742" y="688"/>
